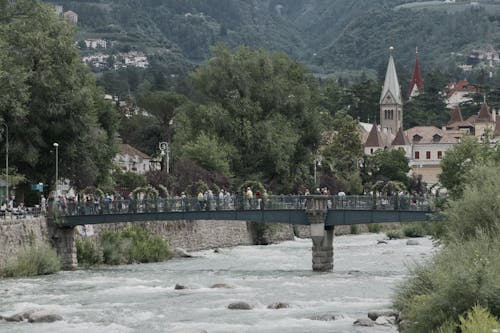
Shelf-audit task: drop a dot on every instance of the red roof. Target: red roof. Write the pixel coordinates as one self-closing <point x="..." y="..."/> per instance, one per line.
<point x="462" y="86"/>
<point x="416" y="80"/>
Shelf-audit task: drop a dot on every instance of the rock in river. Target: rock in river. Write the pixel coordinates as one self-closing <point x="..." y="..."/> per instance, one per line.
<point x="239" y="306"/>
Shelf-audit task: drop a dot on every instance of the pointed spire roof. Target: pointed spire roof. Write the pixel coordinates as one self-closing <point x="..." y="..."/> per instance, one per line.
<point x="391" y="83"/>
<point x="417" y="83"/>
<point x="484" y="114"/>
<point x="401" y="139"/>
<point x="456" y="116"/>
<point x="374" y="138"/>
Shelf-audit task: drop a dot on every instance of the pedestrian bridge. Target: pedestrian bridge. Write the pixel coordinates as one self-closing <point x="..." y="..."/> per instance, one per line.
<point x="340" y="210"/>
<point x="321" y="213"/>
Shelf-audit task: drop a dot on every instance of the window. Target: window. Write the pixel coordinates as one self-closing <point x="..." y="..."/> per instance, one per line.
<point x="428" y="155"/>
<point x="399" y="114"/>
<point x="440" y="154"/>
<point x="417" y="155"/>
<point x="371" y="150"/>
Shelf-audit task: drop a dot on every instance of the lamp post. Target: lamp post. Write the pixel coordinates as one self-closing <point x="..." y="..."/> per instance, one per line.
<point x="165" y="150"/>
<point x="6" y="160"/>
<point x="56" y="145"/>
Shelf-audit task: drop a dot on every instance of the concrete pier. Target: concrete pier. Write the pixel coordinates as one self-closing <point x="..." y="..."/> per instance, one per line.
<point x="322" y="236"/>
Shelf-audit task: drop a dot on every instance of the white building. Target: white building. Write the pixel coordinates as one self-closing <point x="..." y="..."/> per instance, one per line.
<point x="95" y="43"/>
<point x="130" y="159"/>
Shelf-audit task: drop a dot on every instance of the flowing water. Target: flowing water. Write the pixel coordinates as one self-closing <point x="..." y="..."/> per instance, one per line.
<point x="142" y="298"/>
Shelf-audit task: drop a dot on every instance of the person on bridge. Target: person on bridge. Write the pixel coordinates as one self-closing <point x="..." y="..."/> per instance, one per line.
<point x="249" y="197"/>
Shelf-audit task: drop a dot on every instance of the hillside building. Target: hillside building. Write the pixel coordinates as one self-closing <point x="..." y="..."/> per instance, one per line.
<point x="130" y="159"/>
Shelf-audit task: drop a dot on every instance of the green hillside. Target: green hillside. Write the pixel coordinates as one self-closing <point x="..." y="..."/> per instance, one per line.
<point x="328" y="36"/>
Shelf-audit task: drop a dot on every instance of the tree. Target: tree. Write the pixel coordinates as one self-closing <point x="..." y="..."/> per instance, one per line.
<point x="264" y="108"/>
<point x="386" y="165"/>
<point x="52" y="97"/>
<point x="345" y="150"/>
<point x="458" y="162"/>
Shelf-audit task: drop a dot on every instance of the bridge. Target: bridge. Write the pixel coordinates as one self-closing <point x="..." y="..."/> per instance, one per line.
<point x="321" y="213"/>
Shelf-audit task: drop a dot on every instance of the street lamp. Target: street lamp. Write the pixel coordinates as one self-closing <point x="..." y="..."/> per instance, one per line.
<point x="165" y="149"/>
<point x="6" y="160"/>
<point x="56" y="145"/>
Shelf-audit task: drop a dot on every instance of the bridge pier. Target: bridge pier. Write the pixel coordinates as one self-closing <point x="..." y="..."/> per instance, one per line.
<point x="322" y="238"/>
<point x="63" y="239"/>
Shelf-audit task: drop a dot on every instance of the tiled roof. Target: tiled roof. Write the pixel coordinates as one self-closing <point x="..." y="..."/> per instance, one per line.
<point x="126" y="149"/>
<point x="401" y="139"/>
<point x="374" y="138"/>
<point x="427" y="134"/>
<point x="484" y="115"/>
<point x="463" y="86"/>
<point x="456" y="116"/>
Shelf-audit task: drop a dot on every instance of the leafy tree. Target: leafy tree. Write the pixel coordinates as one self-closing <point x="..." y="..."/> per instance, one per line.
<point x="386" y="165"/>
<point x="162" y="105"/>
<point x="345" y="150"/>
<point x="458" y="162"/>
<point x="264" y="108"/>
<point x="52" y="98"/>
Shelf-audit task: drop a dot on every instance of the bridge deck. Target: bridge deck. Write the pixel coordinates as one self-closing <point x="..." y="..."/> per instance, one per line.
<point x="341" y="210"/>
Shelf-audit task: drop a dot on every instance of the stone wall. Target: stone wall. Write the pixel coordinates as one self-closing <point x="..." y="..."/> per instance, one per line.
<point x="15" y="234"/>
<point x="200" y="234"/>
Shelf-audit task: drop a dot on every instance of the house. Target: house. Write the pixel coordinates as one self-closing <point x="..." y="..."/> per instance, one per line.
<point x="130" y="159"/>
<point x="71" y="16"/>
<point x="95" y="43"/>
<point x="460" y="92"/>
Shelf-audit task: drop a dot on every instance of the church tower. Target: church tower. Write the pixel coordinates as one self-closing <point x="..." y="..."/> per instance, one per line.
<point x="417" y="83"/>
<point x="391" y="105"/>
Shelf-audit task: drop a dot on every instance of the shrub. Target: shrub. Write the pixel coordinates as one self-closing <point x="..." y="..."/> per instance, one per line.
<point x="394" y="234"/>
<point x="354" y="229"/>
<point x="374" y="228"/>
<point x="459" y="277"/>
<point x="414" y="229"/>
<point x="478" y="320"/>
<point x="88" y="253"/>
<point x="39" y="259"/>
<point x="133" y="245"/>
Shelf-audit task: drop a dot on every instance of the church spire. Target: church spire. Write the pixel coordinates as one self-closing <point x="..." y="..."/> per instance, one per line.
<point x="417" y="83"/>
<point x="391" y="104"/>
<point x="391" y="83"/>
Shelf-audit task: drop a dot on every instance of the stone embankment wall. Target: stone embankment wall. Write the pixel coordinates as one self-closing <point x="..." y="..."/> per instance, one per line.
<point x="200" y="234"/>
<point x="15" y="234"/>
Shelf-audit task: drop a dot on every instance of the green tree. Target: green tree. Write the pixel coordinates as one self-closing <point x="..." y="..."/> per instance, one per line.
<point x="54" y="99"/>
<point x="386" y="165"/>
<point x="345" y="150"/>
<point x="458" y="162"/>
<point x="265" y="109"/>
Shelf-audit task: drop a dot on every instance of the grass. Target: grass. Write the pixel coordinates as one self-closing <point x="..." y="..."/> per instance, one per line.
<point x="38" y="259"/>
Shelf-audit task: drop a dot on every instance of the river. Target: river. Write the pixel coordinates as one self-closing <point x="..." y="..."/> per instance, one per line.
<point x="142" y="298"/>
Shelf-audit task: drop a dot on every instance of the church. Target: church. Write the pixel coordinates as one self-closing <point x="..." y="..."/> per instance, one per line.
<point x="424" y="146"/>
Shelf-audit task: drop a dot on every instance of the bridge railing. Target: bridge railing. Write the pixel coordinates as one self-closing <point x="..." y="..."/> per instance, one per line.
<point x="240" y="203"/>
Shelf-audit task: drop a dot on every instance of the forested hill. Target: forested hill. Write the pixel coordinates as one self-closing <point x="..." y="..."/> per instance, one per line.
<point x="327" y="35"/>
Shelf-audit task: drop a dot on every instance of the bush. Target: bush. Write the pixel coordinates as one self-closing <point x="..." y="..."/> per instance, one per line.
<point x="478" y="320"/>
<point x="414" y="229"/>
<point x="394" y="234"/>
<point x="88" y="253"/>
<point x="35" y="260"/>
<point x="374" y="228"/>
<point x="133" y="245"/>
<point x="460" y="276"/>
<point x="354" y="229"/>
